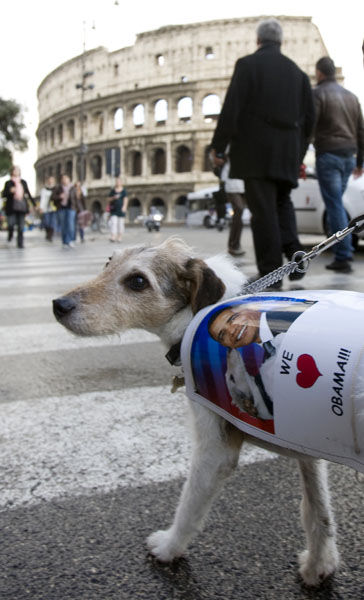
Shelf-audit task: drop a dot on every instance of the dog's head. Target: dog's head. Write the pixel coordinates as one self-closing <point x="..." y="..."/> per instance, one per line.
<point x="140" y="287"/>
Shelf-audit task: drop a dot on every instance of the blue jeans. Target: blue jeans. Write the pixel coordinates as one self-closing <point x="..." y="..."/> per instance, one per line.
<point x="67" y="218"/>
<point x="333" y="172"/>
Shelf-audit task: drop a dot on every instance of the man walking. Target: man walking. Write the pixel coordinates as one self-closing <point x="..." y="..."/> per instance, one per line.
<point x="339" y="144"/>
<point x="267" y="118"/>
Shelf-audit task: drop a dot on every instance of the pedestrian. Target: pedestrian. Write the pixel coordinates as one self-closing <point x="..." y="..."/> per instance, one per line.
<point x="339" y="145"/>
<point x="66" y="210"/>
<point x="118" y="205"/>
<point x="48" y="208"/>
<point x="17" y="194"/>
<point x="83" y="216"/>
<point x="267" y="118"/>
<point x="234" y="189"/>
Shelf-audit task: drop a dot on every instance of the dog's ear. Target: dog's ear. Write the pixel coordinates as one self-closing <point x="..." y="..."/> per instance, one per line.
<point x="205" y="286"/>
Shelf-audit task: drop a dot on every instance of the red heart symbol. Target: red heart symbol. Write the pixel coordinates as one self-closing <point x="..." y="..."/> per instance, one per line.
<point x="309" y="372"/>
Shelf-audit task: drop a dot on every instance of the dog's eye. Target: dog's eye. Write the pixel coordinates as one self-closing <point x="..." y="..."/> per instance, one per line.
<point x="137" y="283"/>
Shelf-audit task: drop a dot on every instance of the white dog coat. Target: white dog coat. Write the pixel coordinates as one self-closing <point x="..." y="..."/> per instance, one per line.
<point x="314" y="379"/>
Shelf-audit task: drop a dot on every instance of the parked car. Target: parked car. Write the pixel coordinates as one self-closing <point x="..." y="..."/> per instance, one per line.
<point x="310" y="209"/>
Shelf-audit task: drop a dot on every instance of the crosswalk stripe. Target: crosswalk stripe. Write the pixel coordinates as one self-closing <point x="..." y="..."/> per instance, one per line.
<point x="70" y="445"/>
<point x="74" y="445"/>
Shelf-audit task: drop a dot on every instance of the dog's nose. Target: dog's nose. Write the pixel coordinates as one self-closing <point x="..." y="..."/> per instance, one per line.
<point x="62" y="306"/>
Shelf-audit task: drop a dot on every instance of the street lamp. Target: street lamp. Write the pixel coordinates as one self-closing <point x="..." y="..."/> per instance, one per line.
<point x="83" y="86"/>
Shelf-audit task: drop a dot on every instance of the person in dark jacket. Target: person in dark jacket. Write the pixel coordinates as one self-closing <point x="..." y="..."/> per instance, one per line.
<point x="339" y="144"/>
<point x="267" y="118"/>
<point x="66" y="210"/>
<point x="17" y="194"/>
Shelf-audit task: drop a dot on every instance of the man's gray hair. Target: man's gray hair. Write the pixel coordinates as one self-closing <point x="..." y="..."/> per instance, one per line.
<point x="269" y="30"/>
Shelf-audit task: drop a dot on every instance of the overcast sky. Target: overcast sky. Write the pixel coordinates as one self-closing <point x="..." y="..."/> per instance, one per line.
<point x="39" y="35"/>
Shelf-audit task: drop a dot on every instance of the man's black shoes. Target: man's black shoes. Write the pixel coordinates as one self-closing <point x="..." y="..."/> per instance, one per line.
<point x="340" y="266"/>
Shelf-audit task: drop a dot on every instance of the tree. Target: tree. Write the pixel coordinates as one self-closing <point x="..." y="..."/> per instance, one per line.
<point x="11" y="133"/>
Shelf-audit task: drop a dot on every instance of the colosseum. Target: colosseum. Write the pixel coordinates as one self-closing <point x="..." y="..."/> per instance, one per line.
<point x="148" y="111"/>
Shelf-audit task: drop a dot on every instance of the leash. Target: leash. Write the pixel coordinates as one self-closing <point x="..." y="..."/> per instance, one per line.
<point x="301" y="260"/>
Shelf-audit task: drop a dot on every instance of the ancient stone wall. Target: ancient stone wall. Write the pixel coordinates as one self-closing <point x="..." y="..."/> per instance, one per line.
<point x="152" y="109"/>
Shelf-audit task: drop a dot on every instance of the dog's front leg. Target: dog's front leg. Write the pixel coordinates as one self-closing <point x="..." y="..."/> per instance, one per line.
<point x="321" y="557"/>
<point x="216" y="451"/>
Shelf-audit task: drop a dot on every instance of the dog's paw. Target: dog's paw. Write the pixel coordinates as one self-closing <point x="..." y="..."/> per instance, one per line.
<point x="163" y="546"/>
<point x="314" y="570"/>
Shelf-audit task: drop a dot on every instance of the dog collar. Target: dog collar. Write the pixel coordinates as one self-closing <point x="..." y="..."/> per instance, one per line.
<point x="174" y="354"/>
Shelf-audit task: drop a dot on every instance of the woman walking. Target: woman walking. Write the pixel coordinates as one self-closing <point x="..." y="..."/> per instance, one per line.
<point x="17" y="194"/>
<point x="118" y="206"/>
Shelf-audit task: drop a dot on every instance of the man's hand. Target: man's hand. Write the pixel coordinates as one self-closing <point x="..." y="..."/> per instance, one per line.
<point x="358" y="172"/>
<point x="217" y="161"/>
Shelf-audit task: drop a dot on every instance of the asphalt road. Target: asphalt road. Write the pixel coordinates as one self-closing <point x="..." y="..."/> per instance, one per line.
<point x="95" y="451"/>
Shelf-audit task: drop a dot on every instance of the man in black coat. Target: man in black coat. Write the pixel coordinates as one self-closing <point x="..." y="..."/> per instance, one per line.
<point x="267" y="118"/>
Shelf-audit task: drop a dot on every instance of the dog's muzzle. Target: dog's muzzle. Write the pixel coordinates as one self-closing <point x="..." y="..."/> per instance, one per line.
<point x="63" y="306"/>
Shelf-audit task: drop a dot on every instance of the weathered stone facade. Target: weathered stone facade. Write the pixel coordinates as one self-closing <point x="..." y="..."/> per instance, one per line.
<point x="152" y="110"/>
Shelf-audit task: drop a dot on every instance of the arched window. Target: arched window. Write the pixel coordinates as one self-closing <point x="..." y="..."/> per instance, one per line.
<point x="161" y="111"/>
<point x="96" y="207"/>
<point x="159" y="162"/>
<point x="181" y="208"/>
<point x="69" y="169"/>
<point x="159" y="60"/>
<point x="209" y="53"/>
<point x="58" y="171"/>
<point x="211" y="107"/>
<point x="185" y="108"/>
<point x="183" y="160"/>
<point x="71" y="129"/>
<point x="138" y="115"/>
<point x="60" y="133"/>
<point x="136" y="163"/>
<point x="96" y="167"/>
<point x="118" y="119"/>
<point x="134" y="209"/>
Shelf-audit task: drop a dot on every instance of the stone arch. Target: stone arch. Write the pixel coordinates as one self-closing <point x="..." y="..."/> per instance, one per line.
<point x="118" y="119"/>
<point x="135" y="163"/>
<point x="69" y="168"/>
<point x="159" y="161"/>
<point x="161" y="111"/>
<point x="138" y="115"/>
<point x="181" y="208"/>
<point x="183" y="159"/>
<point x="96" y="166"/>
<point x="70" y="128"/>
<point x="185" y="108"/>
<point x="159" y="204"/>
<point x="134" y="209"/>
<point x="96" y="207"/>
<point x="211" y="107"/>
<point x="60" y="133"/>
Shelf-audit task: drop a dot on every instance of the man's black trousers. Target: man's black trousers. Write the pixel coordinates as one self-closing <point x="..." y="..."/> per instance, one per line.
<point x="273" y="222"/>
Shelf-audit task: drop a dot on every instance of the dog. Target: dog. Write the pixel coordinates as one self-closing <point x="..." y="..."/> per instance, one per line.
<point x="159" y="289"/>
